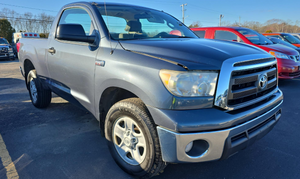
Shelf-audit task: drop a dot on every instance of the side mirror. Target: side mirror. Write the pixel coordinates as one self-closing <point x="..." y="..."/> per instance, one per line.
<point x="73" y="32"/>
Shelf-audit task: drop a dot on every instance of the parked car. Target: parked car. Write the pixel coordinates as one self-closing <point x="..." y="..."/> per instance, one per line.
<point x="18" y="35"/>
<point x="159" y="97"/>
<point x="288" y="68"/>
<point x="286" y="37"/>
<point x="297" y="35"/>
<point x="281" y="42"/>
<point x="6" y="51"/>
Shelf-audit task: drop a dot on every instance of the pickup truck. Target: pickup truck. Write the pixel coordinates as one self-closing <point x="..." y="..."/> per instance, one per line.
<point x="287" y="58"/>
<point x="159" y="97"/>
<point x="6" y="51"/>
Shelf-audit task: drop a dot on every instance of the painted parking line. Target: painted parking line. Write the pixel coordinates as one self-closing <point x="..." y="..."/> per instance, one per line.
<point x="11" y="171"/>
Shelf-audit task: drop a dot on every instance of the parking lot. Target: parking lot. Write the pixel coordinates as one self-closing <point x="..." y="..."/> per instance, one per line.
<point x="63" y="141"/>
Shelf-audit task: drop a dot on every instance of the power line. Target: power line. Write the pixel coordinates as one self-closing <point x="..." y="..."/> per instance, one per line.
<point x="25" y="19"/>
<point x="27" y="7"/>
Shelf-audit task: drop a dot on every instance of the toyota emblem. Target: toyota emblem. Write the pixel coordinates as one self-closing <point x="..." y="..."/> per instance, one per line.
<point x="262" y="81"/>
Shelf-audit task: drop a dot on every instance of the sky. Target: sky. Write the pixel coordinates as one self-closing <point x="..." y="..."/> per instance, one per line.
<point x="207" y="12"/>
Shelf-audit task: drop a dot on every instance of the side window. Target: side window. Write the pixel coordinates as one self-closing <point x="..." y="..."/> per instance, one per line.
<point x="116" y="25"/>
<point x="200" y="34"/>
<point x="226" y="35"/>
<point x="78" y="16"/>
<point x="275" y="40"/>
<point x="275" y="36"/>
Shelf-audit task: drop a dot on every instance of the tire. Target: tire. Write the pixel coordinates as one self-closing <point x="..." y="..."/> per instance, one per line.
<point x="136" y="151"/>
<point x="40" y="97"/>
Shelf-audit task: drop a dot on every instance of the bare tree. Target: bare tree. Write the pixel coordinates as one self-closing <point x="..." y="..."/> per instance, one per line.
<point x="195" y="24"/>
<point x="45" y="22"/>
<point x="226" y="23"/>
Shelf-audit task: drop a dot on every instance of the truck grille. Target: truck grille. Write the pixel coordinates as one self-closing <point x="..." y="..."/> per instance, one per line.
<point x="250" y="84"/>
<point x="3" y="50"/>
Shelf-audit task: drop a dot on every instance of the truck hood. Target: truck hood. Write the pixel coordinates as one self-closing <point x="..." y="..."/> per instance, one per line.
<point x="210" y="54"/>
<point x="278" y="48"/>
<point x="4" y="45"/>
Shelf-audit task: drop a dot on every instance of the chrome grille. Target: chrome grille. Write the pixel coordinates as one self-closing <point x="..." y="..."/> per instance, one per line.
<point x="4" y="50"/>
<point x="246" y="85"/>
<point x="253" y="62"/>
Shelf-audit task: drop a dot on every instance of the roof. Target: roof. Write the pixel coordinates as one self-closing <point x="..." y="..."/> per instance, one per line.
<point x="221" y="27"/>
<point x="275" y="33"/>
<point x="107" y="4"/>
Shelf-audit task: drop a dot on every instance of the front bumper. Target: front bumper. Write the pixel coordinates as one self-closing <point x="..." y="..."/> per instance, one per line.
<point x="288" y="69"/>
<point x="6" y="55"/>
<point x="217" y="144"/>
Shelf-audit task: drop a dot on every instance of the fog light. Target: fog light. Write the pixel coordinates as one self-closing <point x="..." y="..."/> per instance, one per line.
<point x="189" y="147"/>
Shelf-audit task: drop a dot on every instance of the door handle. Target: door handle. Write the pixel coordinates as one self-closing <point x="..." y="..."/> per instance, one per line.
<point x="51" y="50"/>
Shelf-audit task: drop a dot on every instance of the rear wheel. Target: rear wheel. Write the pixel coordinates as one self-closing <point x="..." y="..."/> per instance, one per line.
<point x="132" y="138"/>
<point x="39" y="96"/>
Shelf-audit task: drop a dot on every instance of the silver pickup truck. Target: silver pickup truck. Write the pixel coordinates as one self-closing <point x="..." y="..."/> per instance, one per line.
<point x="160" y="94"/>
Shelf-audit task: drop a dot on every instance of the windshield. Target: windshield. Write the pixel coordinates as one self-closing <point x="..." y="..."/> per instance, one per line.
<point x="291" y="39"/>
<point x="3" y="41"/>
<point x="297" y="37"/>
<point x="129" y="23"/>
<point x="278" y="41"/>
<point x="255" y="37"/>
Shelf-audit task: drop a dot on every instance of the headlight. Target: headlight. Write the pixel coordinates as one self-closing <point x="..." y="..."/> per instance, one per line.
<point x="189" y="84"/>
<point x="279" y="55"/>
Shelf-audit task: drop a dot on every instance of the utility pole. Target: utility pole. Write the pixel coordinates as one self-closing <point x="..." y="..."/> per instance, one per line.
<point x="240" y="21"/>
<point x="182" y="5"/>
<point x="221" y="16"/>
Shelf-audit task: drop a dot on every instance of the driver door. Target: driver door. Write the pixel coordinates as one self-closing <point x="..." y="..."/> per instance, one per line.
<point x="72" y="64"/>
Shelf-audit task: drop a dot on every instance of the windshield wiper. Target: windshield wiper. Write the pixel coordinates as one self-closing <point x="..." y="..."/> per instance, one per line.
<point x="184" y="37"/>
<point x="177" y="37"/>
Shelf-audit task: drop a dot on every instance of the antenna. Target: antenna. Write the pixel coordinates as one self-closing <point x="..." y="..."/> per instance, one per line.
<point x="111" y="50"/>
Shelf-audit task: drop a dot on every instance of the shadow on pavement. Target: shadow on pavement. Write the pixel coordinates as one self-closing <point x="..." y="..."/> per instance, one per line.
<point x="9" y="61"/>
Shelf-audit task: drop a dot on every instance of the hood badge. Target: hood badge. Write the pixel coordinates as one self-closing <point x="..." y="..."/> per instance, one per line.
<point x="262" y="81"/>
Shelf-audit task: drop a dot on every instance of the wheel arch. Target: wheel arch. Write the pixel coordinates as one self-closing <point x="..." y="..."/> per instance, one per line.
<point x="113" y="90"/>
<point x="28" y="66"/>
<point x="109" y="97"/>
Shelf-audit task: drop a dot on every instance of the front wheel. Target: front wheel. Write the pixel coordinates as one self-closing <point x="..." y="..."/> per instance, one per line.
<point x="39" y="96"/>
<point x="132" y="138"/>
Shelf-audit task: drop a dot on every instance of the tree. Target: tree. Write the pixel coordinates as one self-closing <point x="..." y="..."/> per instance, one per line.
<point x="252" y="25"/>
<point x="6" y="30"/>
<point x="45" y="22"/>
<point x="44" y="35"/>
<point x="195" y="24"/>
<point x="226" y="23"/>
<point x="268" y="31"/>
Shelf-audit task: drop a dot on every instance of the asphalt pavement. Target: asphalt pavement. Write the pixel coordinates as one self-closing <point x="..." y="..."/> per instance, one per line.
<point x="63" y="141"/>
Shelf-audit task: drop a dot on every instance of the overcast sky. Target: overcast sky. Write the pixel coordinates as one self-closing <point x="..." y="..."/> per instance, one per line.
<point x="205" y="11"/>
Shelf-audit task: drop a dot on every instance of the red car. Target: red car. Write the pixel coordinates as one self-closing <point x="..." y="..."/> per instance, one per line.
<point x="287" y="58"/>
